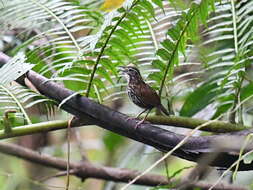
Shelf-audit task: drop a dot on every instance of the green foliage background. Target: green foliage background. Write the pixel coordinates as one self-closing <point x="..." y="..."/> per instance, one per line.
<point x="196" y="54"/>
<point x="201" y="51"/>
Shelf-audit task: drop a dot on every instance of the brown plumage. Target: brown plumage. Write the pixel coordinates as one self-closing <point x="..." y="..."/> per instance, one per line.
<point x="141" y="93"/>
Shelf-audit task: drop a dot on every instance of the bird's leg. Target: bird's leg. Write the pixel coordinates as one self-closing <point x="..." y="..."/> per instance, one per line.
<point x="142" y="112"/>
<point x="130" y="118"/>
<point x="140" y="122"/>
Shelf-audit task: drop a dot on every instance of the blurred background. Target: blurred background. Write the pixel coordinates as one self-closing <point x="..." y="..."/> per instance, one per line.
<point x="210" y="76"/>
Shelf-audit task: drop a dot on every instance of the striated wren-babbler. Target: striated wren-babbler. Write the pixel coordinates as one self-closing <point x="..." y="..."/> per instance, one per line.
<point x="141" y="93"/>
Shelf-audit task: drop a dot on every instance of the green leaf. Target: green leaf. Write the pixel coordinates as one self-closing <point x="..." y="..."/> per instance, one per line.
<point x="15" y="68"/>
<point x="141" y="12"/>
<point x="198" y="99"/>
<point x="204" y="11"/>
<point x="74" y="78"/>
<point x="248" y="159"/>
<point x="117" y="43"/>
<point x="169" y="45"/>
<point x="155" y="76"/>
<point x="112" y="141"/>
<point x="159" y="64"/>
<point x="164" y="54"/>
<point x="180" y="171"/>
<point x="135" y="20"/>
<point x="175" y="31"/>
<point x="109" y="66"/>
<point x="148" y="6"/>
<point x="102" y="72"/>
<point x="222" y="109"/>
<point x="159" y="3"/>
<point x="247" y="91"/>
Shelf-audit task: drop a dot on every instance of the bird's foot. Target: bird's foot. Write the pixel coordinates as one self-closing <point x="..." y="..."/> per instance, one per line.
<point x="138" y="124"/>
<point x="130" y="118"/>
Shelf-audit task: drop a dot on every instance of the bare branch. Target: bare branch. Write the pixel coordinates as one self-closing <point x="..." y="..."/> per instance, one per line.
<point x="83" y="169"/>
<point x="206" y="186"/>
<point x="164" y="140"/>
<point x="86" y="170"/>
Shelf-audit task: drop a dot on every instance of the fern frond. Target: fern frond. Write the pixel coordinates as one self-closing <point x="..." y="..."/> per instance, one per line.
<point x="13" y="96"/>
<point x="15" y="68"/>
<point x="229" y="33"/>
<point x="57" y="24"/>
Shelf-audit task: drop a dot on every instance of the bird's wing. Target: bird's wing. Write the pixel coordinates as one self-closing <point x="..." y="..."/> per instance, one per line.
<point x="149" y="96"/>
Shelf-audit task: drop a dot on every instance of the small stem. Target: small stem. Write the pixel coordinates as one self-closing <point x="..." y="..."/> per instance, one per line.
<point x="6" y="122"/>
<point x="103" y="49"/>
<point x="180" y="144"/>
<point x="34" y="128"/>
<point x="22" y="109"/>
<point x="173" y="54"/>
<point x="234" y="26"/>
<point x="68" y="152"/>
<point x="232" y="114"/>
<point x="166" y="168"/>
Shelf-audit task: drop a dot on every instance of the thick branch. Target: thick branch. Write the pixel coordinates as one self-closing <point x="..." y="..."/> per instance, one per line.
<point x="104" y="117"/>
<point x="161" y="139"/>
<point x="3" y="58"/>
<point x="87" y="170"/>
<point x="84" y="169"/>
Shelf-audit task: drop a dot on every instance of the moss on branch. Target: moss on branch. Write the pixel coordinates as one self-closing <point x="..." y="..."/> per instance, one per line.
<point x="175" y="121"/>
<point x="34" y="128"/>
<point x="191" y="123"/>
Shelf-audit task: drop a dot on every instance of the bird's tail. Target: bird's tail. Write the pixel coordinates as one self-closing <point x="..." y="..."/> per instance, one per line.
<point x="163" y="109"/>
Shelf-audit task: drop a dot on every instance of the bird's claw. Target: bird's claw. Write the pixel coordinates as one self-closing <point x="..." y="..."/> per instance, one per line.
<point x="138" y="124"/>
<point x="130" y="118"/>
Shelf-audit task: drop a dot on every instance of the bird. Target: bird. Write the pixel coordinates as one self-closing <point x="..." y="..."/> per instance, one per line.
<point x="140" y="93"/>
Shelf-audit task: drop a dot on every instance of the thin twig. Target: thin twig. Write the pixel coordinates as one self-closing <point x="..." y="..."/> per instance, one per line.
<point x="80" y="144"/>
<point x="104" y="47"/>
<point x="166" y="155"/>
<point x="230" y="168"/>
<point x="58" y="174"/>
<point x="68" y="152"/>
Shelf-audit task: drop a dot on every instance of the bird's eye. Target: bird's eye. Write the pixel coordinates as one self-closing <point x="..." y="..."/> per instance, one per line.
<point x="133" y="71"/>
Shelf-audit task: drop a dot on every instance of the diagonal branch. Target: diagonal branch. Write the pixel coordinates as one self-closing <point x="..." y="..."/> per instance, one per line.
<point x="85" y="170"/>
<point x="161" y="139"/>
<point x="104" y="117"/>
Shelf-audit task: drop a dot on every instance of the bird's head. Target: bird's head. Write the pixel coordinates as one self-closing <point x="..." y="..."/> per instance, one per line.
<point x="130" y="72"/>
